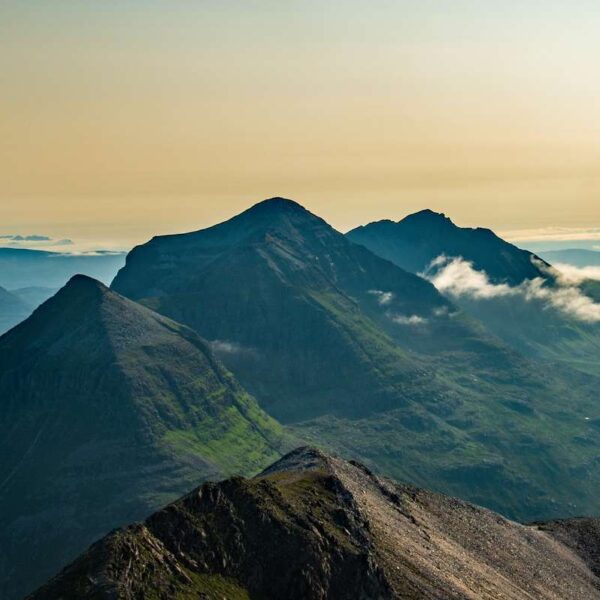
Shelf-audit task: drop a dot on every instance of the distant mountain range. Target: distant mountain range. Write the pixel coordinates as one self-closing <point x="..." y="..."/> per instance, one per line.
<point x="22" y="268"/>
<point x="108" y="411"/>
<point x="313" y="527"/>
<point x="576" y="257"/>
<point x="355" y="353"/>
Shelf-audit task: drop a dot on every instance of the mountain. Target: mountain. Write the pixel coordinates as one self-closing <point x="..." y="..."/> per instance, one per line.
<point x="107" y="411"/>
<point x="21" y="268"/>
<point x="575" y="257"/>
<point x="415" y="241"/>
<point x="517" y="296"/>
<point x="313" y="527"/>
<point x="288" y="303"/>
<point x="13" y="310"/>
<point x="357" y="355"/>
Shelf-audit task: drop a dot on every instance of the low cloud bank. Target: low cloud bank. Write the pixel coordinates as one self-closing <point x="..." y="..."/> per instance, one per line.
<point x="571" y="274"/>
<point x="33" y="241"/>
<point x="458" y="277"/>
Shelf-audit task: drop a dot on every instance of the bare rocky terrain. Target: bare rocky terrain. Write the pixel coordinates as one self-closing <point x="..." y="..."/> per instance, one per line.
<point x="314" y="527"/>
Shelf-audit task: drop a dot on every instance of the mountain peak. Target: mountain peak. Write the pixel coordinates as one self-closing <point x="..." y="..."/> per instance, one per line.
<point x="427" y="216"/>
<point x="85" y="282"/>
<point x="279" y="210"/>
<point x="80" y="288"/>
<point x="278" y="203"/>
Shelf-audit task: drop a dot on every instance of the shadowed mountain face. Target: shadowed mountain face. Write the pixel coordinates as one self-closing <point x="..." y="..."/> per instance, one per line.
<point x="290" y="307"/>
<point x="313" y="527"/>
<point x="358" y="355"/>
<point x="13" y="310"/>
<point x="498" y="286"/>
<point x="108" y="410"/>
<point x="421" y="237"/>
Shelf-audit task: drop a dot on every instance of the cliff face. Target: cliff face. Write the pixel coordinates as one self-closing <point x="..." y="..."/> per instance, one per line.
<point x="315" y="527"/>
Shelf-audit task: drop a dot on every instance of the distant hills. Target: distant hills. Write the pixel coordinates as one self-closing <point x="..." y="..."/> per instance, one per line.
<point x="108" y="412"/>
<point x="313" y="526"/>
<point x="576" y="257"/>
<point x="356" y="354"/>
<point x="21" y="268"/>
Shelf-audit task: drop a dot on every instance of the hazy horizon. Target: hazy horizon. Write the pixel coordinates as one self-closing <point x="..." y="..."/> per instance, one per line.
<point x="120" y="122"/>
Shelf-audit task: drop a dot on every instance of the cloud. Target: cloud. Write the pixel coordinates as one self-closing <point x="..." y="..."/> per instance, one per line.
<point x="224" y="347"/>
<point x="26" y="238"/>
<point x="552" y="234"/>
<point x="457" y="277"/>
<point x="383" y="298"/>
<point x="571" y="274"/>
<point x="408" y="319"/>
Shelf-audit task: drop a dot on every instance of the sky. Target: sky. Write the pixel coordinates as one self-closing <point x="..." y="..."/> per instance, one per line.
<point x="123" y="120"/>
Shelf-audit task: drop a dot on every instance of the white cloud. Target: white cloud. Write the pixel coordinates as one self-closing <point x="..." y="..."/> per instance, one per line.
<point x="408" y="319"/>
<point x="383" y="298"/>
<point x="457" y="277"/>
<point x="555" y="234"/>
<point x="574" y="275"/>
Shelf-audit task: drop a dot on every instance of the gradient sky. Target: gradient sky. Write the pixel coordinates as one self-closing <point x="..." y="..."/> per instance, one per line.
<point x="121" y="120"/>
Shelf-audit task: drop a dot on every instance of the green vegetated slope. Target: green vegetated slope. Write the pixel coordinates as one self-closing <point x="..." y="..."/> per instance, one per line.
<point x="313" y="526"/>
<point x="356" y="354"/>
<point x="108" y="411"/>
<point x="534" y="326"/>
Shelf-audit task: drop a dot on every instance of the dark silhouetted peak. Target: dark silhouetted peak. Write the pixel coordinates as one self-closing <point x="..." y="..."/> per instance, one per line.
<point x="418" y="239"/>
<point x="277" y="204"/>
<point x="427" y="216"/>
<point x="277" y="213"/>
<point x="83" y="284"/>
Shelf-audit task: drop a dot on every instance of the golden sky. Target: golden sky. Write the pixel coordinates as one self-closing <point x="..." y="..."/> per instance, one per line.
<point x="121" y="120"/>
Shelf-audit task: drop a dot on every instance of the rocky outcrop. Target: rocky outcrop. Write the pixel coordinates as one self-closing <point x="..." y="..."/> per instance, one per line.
<point x="314" y="527"/>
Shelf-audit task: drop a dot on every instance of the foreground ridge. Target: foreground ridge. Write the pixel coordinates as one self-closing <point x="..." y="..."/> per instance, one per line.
<point x="313" y="526"/>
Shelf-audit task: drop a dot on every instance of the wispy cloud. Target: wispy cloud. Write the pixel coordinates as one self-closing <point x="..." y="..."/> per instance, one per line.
<point x="383" y="298"/>
<point x="224" y="347"/>
<point x="552" y="234"/>
<point x="408" y="319"/>
<point x="34" y="241"/>
<point x="457" y="277"/>
<point x="571" y="274"/>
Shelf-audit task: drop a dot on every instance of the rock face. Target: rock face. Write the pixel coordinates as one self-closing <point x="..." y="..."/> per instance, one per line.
<point x="416" y="240"/>
<point x="13" y="310"/>
<point x="108" y="410"/>
<point x="313" y="527"/>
